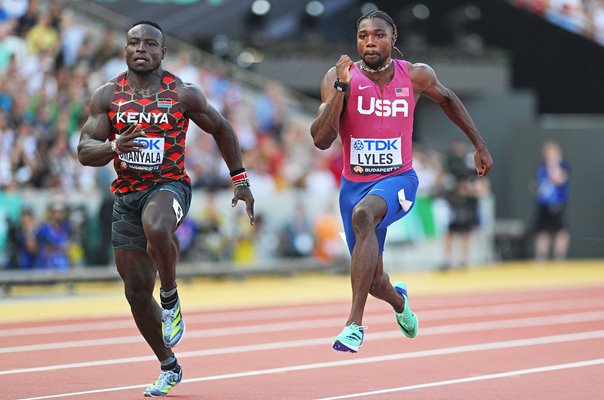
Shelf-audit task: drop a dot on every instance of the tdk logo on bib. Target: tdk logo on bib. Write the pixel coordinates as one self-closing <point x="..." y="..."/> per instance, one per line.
<point x="382" y="107"/>
<point x="150" y="143"/>
<point x="149" y="158"/>
<point x="376" y="144"/>
<point x="375" y="156"/>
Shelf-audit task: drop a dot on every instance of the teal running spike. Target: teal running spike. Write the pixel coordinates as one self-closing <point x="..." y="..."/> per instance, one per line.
<point x="350" y="339"/>
<point x="407" y="320"/>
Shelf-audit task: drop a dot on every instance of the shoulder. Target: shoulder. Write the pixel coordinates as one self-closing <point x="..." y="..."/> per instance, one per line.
<point x="422" y="76"/>
<point x="190" y="96"/>
<point x="420" y="71"/>
<point x="103" y="95"/>
<point x="331" y="74"/>
<point x="188" y="91"/>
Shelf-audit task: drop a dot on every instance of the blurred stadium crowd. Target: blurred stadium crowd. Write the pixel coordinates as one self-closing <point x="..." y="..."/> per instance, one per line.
<point x="584" y="17"/>
<point x="51" y="61"/>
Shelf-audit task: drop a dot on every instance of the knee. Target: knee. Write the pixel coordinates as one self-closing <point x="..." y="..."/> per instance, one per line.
<point x="362" y="220"/>
<point x="138" y="297"/>
<point x="158" y="232"/>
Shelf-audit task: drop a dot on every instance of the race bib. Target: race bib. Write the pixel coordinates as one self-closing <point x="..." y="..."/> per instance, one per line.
<point x="375" y="156"/>
<point x="150" y="158"/>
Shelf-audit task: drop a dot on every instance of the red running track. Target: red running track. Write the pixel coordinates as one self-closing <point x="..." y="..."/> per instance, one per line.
<point x="544" y="344"/>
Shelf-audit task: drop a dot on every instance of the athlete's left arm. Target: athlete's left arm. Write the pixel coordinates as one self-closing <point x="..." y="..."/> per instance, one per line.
<point x="425" y="82"/>
<point x="197" y="109"/>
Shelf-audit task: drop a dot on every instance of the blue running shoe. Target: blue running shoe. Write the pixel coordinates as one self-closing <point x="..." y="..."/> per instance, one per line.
<point x="172" y="325"/>
<point x="407" y="320"/>
<point x="166" y="381"/>
<point x="350" y="339"/>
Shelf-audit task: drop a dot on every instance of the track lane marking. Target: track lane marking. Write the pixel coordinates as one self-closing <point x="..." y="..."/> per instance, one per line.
<point x="543" y="340"/>
<point x="434" y="314"/>
<point x="527" y="371"/>
<point x="429" y="331"/>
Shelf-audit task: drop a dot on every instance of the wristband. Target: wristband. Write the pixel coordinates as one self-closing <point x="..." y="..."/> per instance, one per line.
<point x="114" y="147"/>
<point x="239" y="178"/>
<point x="237" y="172"/>
<point x="341" y="86"/>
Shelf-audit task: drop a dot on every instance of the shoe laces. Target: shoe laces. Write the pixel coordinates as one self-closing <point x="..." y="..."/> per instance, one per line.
<point x="408" y="319"/>
<point x="168" y="316"/>
<point x="165" y="377"/>
<point x="355" y="330"/>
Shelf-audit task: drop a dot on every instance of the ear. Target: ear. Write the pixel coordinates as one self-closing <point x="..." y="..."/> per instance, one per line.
<point x="394" y="37"/>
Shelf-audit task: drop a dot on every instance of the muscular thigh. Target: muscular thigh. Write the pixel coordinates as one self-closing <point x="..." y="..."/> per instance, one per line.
<point x="399" y="194"/>
<point x="170" y="200"/>
<point x="167" y="206"/>
<point x="389" y="191"/>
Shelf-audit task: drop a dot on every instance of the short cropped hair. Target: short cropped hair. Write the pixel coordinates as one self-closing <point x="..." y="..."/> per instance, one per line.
<point x="378" y="14"/>
<point x="153" y="24"/>
<point x="146" y="22"/>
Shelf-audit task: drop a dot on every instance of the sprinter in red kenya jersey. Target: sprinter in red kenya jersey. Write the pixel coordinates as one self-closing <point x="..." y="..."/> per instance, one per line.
<point x="139" y="121"/>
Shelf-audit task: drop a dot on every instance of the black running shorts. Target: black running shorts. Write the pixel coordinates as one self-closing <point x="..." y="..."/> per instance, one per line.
<point x="127" y="227"/>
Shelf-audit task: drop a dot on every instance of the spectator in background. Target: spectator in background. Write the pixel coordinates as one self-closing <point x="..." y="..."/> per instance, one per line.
<point x="327" y="227"/>
<point x="26" y="13"/>
<point x="7" y="139"/>
<point x="43" y="37"/>
<point x="27" y="156"/>
<point x="186" y="234"/>
<point x="297" y="238"/>
<point x="73" y="37"/>
<point x="54" y="239"/>
<point x="11" y="46"/>
<point x="552" y="189"/>
<point x="462" y="198"/>
<point x="270" y="110"/>
<point x="23" y="245"/>
<point x="266" y="241"/>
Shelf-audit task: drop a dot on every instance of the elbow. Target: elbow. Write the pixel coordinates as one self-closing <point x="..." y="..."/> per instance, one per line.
<point x="322" y="144"/>
<point x="321" y="140"/>
<point x="81" y="156"/>
<point x="84" y="159"/>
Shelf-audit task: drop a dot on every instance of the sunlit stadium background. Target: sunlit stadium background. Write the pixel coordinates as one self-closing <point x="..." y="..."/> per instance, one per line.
<point x="528" y="71"/>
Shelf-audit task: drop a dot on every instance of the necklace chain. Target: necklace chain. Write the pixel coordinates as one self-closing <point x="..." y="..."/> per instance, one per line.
<point x="373" y="71"/>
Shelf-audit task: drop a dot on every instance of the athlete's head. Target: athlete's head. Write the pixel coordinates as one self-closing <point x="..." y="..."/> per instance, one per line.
<point x="145" y="47"/>
<point x="376" y="36"/>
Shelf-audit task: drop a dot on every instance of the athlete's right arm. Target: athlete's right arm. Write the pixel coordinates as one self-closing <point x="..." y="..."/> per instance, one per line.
<point x="94" y="149"/>
<point x="326" y="126"/>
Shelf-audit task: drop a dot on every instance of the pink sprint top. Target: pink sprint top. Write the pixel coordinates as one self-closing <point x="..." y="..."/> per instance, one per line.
<point x="376" y="127"/>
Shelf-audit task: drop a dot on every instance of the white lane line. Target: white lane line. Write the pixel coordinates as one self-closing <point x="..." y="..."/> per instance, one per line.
<point x="374" y="336"/>
<point x="507" y="344"/>
<point x="548" y="368"/>
<point x="436" y="314"/>
<point x="195" y="317"/>
<point x="286" y="326"/>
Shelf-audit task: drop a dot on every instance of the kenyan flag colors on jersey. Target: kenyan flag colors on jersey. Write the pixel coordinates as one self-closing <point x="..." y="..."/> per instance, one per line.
<point x="162" y="159"/>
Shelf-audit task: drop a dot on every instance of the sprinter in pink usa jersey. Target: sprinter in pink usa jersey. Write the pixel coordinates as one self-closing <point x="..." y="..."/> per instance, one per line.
<point x="370" y="104"/>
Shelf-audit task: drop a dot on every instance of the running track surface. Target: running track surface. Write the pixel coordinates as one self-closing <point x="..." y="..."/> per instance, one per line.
<point x="507" y="332"/>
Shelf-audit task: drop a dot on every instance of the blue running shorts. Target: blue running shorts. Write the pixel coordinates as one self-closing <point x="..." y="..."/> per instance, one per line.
<point x="351" y="193"/>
